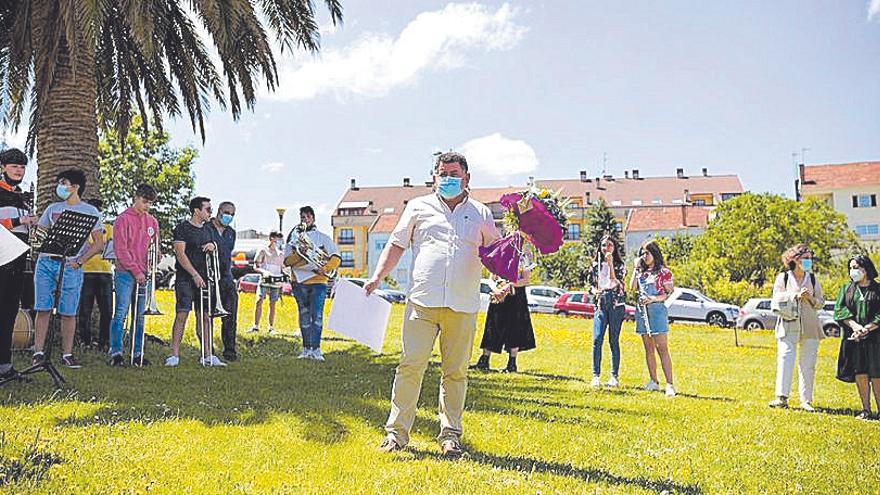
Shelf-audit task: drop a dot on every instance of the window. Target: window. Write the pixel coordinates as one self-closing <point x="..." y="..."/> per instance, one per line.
<point x="485" y="289"/>
<point x="574" y="232"/>
<point x="380" y="245"/>
<point x="864" y="201"/>
<point x="576" y="298"/>
<point x="637" y="202"/>
<point x="616" y="202"/>
<point x="347" y="259"/>
<point x="726" y="196"/>
<point x="656" y="201"/>
<point x="867" y="230"/>
<point x="346" y="236"/>
<point x="699" y="202"/>
<point x="618" y="226"/>
<point x="764" y="305"/>
<point x="677" y="201"/>
<point x="687" y="297"/>
<point x="388" y="210"/>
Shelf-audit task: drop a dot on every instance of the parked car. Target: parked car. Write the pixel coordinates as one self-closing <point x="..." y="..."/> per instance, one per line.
<point x="541" y="299"/>
<point x="582" y="304"/>
<point x="756" y="315"/>
<point x="486" y="287"/>
<point x="691" y="305"/>
<point x="392" y="296"/>
<point x="826" y="318"/>
<point x="251" y="281"/>
<point x="243" y="254"/>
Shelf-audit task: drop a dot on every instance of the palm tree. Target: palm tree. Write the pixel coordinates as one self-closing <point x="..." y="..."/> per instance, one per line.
<point x="77" y="64"/>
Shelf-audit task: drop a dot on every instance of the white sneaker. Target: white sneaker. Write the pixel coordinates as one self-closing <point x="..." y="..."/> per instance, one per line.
<point x="652" y="386"/>
<point x="613" y="382"/>
<point x="297" y="334"/>
<point x="172" y="361"/>
<point x="670" y="391"/>
<point x="305" y="354"/>
<point x="806" y="406"/>
<point x="255" y="329"/>
<point x="271" y="329"/>
<point x="596" y="383"/>
<point x="215" y="361"/>
<point x="317" y="356"/>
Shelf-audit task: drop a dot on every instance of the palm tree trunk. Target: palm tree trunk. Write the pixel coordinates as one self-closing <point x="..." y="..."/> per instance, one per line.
<point x="67" y="129"/>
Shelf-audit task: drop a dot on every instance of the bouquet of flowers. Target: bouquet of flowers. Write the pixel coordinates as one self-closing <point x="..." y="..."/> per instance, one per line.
<point x="536" y="221"/>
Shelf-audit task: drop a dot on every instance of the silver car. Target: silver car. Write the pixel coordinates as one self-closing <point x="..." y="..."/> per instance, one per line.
<point x="756" y="314"/>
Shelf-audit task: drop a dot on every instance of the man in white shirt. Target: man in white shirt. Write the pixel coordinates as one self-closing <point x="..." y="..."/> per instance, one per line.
<point x="445" y="230"/>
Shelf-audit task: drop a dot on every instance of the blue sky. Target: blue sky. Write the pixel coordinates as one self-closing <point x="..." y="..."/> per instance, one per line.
<point x="545" y="88"/>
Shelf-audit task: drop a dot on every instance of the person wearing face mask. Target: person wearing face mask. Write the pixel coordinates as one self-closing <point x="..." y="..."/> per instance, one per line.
<point x="797" y="298"/>
<point x="269" y="263"/>
<point x="224" y="236"/>
<point x="857" y="311"/>
<point x="607" y="286"/>
<point x="310" y="285"/>
<point x="445" y="231"/>
<point x="71" y="184"/>
<point x="13" y="217"/>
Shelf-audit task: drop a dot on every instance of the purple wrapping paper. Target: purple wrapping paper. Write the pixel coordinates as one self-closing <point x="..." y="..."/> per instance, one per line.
<point x="502" y="256"/>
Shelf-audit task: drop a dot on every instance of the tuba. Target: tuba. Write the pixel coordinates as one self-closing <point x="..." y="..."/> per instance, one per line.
<point x="306" y="252"/>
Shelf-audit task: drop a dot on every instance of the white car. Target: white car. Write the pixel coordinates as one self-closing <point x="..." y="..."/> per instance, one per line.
<point x="486" y="288"/>
<point x="542" y="298"/>
<point x="691" y="305"/>
<point x="826" y="319"/>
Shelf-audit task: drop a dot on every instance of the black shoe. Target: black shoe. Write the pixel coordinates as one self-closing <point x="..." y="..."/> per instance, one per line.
<point x="231" y="358"/>
<point x="9" y="374"/>
<point x="39" y="358"/>
<point x="116" y="360"/>
<point x="511" y="366"/>
<point x="141" y="362"/>
<point x="482" y="364"/>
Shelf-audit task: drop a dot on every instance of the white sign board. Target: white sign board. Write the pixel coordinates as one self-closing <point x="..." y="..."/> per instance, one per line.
<point x="356" y="315"/>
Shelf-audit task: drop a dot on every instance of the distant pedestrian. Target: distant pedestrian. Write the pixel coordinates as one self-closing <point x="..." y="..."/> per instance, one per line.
<point x="797" y="298"/>
<point x="653" y="281"/>
<point x="858" y="313"/>
<point x="607" y="286"/>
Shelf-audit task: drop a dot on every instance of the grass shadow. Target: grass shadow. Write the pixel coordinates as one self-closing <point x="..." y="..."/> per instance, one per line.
<point x="705" y="397"/>
<point x="590" y="475"/>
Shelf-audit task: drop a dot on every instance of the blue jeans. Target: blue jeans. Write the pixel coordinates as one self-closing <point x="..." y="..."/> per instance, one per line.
<point x="310" y="301"/>
<point x="125" y="285"/>
<point x="610" y="317"/>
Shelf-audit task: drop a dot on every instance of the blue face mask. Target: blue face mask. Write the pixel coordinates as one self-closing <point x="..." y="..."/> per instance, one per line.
<point x="807" y="264"/>
<point x="62" y="192"/>
<point x="225" y="220"/>
<point x="449" y="187"/>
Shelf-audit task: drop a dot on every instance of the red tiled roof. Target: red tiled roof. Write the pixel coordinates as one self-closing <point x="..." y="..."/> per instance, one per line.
<point x="842" y="175"/>
<point x="667" y="218"/>
<point x="385" y="224"/>
<point x="647" y="189"/>
<point x="488" y="195"/>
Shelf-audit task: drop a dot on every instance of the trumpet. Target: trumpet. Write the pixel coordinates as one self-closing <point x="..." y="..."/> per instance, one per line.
<point x="306" y="252"/>
<point x="210" y="295"/>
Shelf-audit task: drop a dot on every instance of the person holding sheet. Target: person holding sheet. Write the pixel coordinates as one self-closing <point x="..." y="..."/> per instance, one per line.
<point x="445" y="230"/>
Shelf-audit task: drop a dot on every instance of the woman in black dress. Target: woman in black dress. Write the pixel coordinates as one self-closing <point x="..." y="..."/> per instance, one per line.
<point x="508" y="325"/>
<point x="858" y="313"/>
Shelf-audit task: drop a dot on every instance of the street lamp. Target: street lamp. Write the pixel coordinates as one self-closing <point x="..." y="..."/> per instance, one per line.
<point x="281" y="219"/>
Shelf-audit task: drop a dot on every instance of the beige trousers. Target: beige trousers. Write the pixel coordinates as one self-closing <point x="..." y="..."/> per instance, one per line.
<point x="421" y="326"/>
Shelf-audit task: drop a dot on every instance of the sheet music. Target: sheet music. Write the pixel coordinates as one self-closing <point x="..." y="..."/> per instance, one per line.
<point x="11" y="247"/>
<point x="361" y="317"/>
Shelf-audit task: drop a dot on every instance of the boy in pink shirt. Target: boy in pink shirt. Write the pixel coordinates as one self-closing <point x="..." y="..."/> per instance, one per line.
<point x="134" y="230"/>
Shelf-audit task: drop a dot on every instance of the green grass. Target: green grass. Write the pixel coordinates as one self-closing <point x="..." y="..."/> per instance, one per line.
<point x="274" y="424"/>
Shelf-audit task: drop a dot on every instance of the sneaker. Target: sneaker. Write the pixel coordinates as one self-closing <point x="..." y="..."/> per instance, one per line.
<point x="317" y="356"/>
<point x="172" y="361"/>
<point x="39" y="358"/>
<point x="779" y="403"/>
<point x="806" y="406"/>
<point x="70" y="361"/>
<point x="305" y="354"/>
<point x="865" y="415"/>
<point x="389" y="445"/>
<point x="211" y="361"/>
<point x="613" y="382"/>
<point x="297" y="334"/>
<point x="230" y="358"/>
<point x="138" y="361"/>
<point x="255" y="329"/>
<point x="116" y="360"/>
<point x="596" y="383"/>
<point x="652" y="386"/>
<point x="451" y="449"/>
<point x="9" y="374"/>
<point x="670" y="391"/>
<point x="271" y="330"/>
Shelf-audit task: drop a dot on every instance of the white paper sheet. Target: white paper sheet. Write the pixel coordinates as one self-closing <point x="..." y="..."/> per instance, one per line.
<point x="304" y="273"/>
<point x="11" y="247"/>
<point x="356" y="315"/>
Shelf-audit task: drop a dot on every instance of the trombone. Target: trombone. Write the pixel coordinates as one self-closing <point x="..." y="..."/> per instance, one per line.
<point x="210" y="295"/>
<point x="152" y="308"/>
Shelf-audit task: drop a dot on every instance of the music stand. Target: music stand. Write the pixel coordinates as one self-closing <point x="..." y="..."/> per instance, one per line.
<point x="66" y="237"/>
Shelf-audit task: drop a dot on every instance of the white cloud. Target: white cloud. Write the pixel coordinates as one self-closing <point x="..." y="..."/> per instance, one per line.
<point x="14" y="139"/>
<point x="377" y="63"/>
<point x="272" y="167"/>
<point x="873" y="9"/>
<point x="500" y="157"/>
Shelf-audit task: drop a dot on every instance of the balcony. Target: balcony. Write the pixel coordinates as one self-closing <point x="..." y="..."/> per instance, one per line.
<point x="346" y="264"/>
<point x="345" y="241"/>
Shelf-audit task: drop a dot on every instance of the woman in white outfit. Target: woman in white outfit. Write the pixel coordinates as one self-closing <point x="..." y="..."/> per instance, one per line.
<point x="797" y="297"/>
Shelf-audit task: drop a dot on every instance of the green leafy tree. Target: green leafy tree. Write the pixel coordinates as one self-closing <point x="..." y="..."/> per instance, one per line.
<point x="600" y="222"/>
<point x="566" y="268"/>
<point x="75" y="64"/>
<point x="149" y="159"/>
